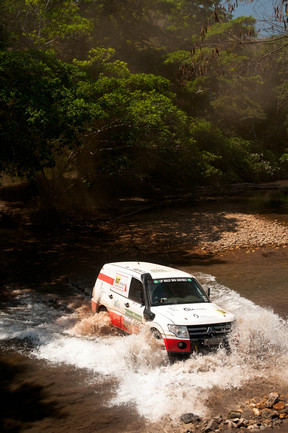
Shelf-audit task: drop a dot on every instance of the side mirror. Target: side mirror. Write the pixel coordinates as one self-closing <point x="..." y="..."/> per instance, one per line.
<point x="208" y="292"/>
<point x="148" y="315"/>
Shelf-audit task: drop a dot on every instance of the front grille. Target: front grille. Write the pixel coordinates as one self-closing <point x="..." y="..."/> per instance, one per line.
<point x="201" y="332"/>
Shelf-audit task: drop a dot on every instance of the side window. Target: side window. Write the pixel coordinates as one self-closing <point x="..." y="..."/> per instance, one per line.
<point x="136" y="291"/>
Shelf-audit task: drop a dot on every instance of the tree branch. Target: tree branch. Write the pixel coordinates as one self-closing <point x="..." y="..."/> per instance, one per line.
<point x="269" y="54"/>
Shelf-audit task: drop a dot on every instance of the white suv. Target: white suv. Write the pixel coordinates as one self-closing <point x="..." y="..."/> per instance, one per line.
<point x="171" y="302"/>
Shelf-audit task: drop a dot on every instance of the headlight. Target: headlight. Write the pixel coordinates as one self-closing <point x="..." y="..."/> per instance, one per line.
<point x="179" y="330"/>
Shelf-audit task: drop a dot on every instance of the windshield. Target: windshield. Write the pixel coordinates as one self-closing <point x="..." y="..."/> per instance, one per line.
<point x="176" y="291"/>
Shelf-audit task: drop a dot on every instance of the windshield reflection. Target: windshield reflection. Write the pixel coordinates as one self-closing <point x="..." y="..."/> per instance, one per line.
<point x="176" y="291"/>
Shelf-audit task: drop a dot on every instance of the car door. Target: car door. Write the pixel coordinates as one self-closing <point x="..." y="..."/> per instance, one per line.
<point x="134" y="307"/>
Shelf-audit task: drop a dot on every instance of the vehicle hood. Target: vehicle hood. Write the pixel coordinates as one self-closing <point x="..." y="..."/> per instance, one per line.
<point x="193" y="314"/>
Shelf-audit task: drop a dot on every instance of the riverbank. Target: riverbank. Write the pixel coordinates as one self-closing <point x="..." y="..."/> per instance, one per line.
<point x="206" y="235"/>
<point x="211" y="222"/>
<point x="41" y="246"/>
<point x="211" y="228"/>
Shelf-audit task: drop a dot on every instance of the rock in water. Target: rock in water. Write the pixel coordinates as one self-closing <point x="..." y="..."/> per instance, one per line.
<point x="272" y="399"/>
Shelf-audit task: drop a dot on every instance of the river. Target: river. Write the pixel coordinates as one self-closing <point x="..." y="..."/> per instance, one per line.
<point x="63" y="369"/>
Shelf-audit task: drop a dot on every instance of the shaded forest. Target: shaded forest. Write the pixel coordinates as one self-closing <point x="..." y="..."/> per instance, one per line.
<point x="122" y="97"/>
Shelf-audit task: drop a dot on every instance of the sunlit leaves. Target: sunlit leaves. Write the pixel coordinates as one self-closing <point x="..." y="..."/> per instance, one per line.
<point x="103" y="61"/>
<point x="144" y="103"/>
<point x="45" y="21"/>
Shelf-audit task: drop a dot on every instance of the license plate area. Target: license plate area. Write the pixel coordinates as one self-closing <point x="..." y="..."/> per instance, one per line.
<point x="215" y="341"/>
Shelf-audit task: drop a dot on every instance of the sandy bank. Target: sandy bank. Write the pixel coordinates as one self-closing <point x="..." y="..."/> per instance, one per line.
<point x="206" y="228"/>
<point x="249" y="231"/>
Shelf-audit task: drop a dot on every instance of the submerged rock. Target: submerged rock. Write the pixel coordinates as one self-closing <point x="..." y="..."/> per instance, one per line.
<point x="189" y="417"/>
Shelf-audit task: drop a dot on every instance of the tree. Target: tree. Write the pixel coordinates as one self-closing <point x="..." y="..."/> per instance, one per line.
<point x="142" y="131"/>
<point x="142" y="32"/>
<point x="41" y="110"/>
<point x="209" y="121"/>
<point x="113" y="122"/>
<point x="41" y="23"/>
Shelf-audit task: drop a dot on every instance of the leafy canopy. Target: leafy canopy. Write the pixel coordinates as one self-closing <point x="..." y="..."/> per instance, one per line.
<point x="40" y="110"/>
<point x="41" y="22"/>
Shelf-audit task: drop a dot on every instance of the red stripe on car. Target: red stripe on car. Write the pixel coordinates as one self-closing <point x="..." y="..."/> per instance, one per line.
<point x="106" y="279"/>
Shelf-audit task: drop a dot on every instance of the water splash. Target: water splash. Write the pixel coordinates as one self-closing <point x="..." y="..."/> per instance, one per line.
<point x="70" y="334"/>
<point x="89" y="324"/>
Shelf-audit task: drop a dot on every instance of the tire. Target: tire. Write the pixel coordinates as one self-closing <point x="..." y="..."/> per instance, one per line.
<point x="156" y="334"/>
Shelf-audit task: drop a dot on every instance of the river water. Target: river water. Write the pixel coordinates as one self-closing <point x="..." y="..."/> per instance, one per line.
<point x="63" y="369"/>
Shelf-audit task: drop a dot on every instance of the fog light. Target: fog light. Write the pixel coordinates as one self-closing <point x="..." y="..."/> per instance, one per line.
<point x="182" y="345"/>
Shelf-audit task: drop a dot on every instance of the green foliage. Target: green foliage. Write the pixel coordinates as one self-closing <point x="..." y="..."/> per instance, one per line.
<point x="225" y="32"/>
<point x="146" y="129"/>
<point x="198" y="108"/>
<point x="46" y="105"/>
<point x="100" y="61"/>
<point x="231" y="159"/>
<point x="40" y="110"/>
<point x="237" y="101"/>
<point x="283" y="164"/>
<point x="141" y="32"/>
<point x="44" y="21"/>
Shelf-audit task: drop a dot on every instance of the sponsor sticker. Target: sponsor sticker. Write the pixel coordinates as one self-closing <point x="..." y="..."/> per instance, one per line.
<point x="116" y="304"/>
<point x="171" y="280"/>
<point x="132" y="321"/>
<point x="132" y="315"/>
<point x="120" y="283"/>
<point x="221" y="312"/>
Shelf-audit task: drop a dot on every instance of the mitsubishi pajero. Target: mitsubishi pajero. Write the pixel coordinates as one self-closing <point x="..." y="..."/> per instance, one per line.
<point x="170" y="302"/>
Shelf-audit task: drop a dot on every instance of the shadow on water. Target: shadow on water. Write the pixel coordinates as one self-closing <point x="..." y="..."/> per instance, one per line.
<point x="270" y="202"/>
<point x="39" y="397"/>
<point x="44" y="255"/>
<point x="267" y="201"/>
<point x="22" y="402"/>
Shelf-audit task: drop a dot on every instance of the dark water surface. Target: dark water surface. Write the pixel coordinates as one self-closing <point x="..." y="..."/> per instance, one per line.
<point x="62" y="369"/>
<point x="261" y="275"/>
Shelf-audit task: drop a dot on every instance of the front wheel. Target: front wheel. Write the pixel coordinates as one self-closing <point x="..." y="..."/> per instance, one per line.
<point x="156" y="334"/>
